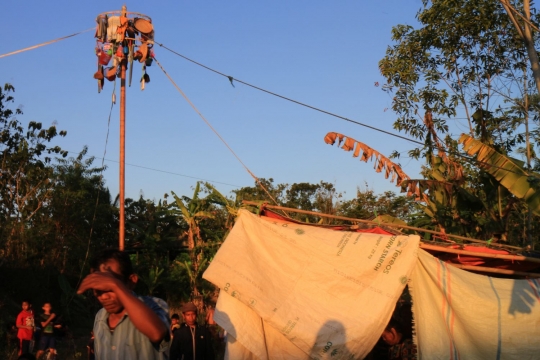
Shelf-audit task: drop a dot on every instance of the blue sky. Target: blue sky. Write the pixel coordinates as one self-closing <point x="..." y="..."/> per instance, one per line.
<point x="323" y="53"/>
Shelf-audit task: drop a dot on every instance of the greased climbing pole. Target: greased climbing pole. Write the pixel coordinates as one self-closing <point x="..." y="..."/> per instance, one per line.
<point x="122" y="37"/>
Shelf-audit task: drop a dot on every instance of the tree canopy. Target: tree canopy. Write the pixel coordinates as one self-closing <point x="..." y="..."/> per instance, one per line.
<point x="467" y="64"/>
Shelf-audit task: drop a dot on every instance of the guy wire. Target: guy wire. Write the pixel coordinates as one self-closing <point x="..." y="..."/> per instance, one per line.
<point x="113" y="101"/>
<point x="215" y="132"/>
<point x="44" y="43"/>
<point x="231" y="79"/>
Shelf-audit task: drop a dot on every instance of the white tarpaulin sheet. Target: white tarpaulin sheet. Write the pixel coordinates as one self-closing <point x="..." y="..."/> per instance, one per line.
<point x="329" y="293"/>
<point x="244" y="326"/>
<point x="461" y="315"/>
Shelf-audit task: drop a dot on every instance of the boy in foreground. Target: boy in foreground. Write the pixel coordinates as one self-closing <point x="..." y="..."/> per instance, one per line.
<point x="128" y="326"/>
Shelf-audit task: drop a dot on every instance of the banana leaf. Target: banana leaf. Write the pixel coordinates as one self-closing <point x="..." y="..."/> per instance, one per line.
<point x="365" y="153"/>
<point x="506" y="171"/>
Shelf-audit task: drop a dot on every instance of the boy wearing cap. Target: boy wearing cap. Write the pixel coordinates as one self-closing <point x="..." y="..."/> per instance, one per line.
<point x="191" y="341"/>
<point x="128" y="326"/>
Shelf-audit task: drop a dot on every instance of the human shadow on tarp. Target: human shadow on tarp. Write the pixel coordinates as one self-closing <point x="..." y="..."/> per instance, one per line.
<point x="330" y="343"/>
<point x="228" y="337"/>
<point x="525" y="295"/>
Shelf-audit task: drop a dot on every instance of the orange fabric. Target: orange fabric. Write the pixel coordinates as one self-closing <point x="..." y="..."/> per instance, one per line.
<point x="375" y="230"/>
<point x="272" y="215"/>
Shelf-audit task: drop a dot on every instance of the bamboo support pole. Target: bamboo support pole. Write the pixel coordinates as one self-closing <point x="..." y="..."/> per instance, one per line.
<point x="122" y="156"/>
<point x="495" y="271"/>
<point x="121" y="192"/>
<point x="253" y="203"/>
<point x="479" y="254"/>
<point x="122" y="169"/>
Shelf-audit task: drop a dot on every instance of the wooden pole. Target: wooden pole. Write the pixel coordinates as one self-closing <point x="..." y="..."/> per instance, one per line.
<point x="377" y="223"/>
<point x="479" y="254"/>
<point x="122" y="218"/>
<point x="495" y="271"/>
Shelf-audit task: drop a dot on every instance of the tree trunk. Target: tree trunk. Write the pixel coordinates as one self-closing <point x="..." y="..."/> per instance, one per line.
<point x="526" y="35"/>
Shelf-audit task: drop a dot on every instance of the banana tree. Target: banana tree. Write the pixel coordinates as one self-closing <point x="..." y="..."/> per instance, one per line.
<point x="217" y="198"/>
<point x="152" y="280"/>
<point x="419" y="189"/>
<point x="508" y="172"/>
<point x="192" y="211"/>
<point x="450" y="202"/>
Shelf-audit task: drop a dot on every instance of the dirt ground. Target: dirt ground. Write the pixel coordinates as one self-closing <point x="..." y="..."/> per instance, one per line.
<point x="74" y="348"/>
<point x="67" y="348"/>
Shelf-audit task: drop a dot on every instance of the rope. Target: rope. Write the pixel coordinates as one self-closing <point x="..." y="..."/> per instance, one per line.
<point x="167" y="172"/>
<point x="215" y="132"/>
<point x="231" y="79"/>
<point x="113" y="101"/>
<point x="44" y="44"/>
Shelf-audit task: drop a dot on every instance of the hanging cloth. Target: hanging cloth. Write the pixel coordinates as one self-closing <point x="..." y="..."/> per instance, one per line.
<point x="144" y="78"/>
<point x="461" y="315"/>
<point x="101" y="28"/>
<point x="329" y="293"/>
<point x="121" y="30"/>
<point x="130" y="59"/>
<point x="114" y="23"/>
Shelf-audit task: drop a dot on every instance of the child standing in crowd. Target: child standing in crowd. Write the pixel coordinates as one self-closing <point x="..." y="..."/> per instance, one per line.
<point x="47" y="340"/>
<point x="25" y="326"/>
<point x="175" y="322"/>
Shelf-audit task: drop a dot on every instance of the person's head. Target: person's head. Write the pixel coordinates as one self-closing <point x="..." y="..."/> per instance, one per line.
<point x="26" y="305"/>
<point x="393" y="333"/>
<point x="119" y="265"/>
<point x="115" y="261"/>
<point x="189" y="312"/>
<point x="175" y="319"/>
<point x="47" y="307"/>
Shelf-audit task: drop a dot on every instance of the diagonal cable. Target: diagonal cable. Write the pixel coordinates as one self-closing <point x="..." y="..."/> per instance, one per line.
<point x="231" y="79"/>
<point x="167" y="172"/>
<point x="215" y="132"/>
<point x="113" y="101"/>
<point x="44" y="44"/>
